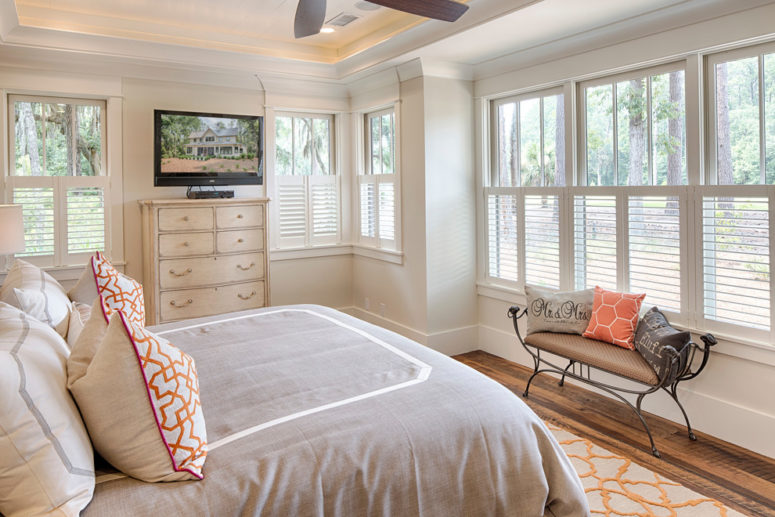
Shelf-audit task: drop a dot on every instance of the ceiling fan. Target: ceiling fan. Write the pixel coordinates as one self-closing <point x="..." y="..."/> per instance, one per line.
<point x="310" y="14"/>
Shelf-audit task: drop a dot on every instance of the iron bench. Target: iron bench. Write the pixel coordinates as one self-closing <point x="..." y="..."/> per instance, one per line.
<point x="627" y="364"/>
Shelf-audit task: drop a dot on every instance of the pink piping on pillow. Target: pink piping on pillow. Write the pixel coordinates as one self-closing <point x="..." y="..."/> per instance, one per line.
<point x="102" y="306"/>
<point x="150" y="399"/>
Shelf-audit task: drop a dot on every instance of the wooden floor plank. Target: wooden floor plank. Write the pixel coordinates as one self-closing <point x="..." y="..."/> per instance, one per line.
<point x="739" y="478"/>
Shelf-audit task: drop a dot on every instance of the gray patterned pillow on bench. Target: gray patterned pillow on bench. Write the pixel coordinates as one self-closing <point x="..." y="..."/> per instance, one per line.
<point x="653" y="335"/>
<point x="558" y="311"/>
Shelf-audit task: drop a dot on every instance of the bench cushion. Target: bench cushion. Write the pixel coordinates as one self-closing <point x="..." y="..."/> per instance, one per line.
<point x="598" y="354"/>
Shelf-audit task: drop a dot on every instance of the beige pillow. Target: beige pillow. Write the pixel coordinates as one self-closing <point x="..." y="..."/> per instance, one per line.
<point x="46" y="459"/>
<point x="88" y="340"/>
<point x="85" y="290"/>
<point x="143" y="415"/>
<point x="558" y="311"/>
<point x="37" y="293"/>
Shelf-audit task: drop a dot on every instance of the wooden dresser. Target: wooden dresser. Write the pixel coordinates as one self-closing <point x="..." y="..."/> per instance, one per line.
<point x="203" y="257"/>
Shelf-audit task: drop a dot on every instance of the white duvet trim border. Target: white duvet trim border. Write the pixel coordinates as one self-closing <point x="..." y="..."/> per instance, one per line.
<point x="423" y="375"/>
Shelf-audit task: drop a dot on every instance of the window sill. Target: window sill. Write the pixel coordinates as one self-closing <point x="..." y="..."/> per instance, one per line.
<point x="394" y="257"/>
<point x="311" y="252"/>
<point x="748" y="349"/>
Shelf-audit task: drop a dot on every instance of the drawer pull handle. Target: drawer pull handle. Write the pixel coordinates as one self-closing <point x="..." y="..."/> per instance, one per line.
<point x="248" y="297"/>
<point x="239" y="216"/>
<point x="240" y="240"/>
<point x="187" y="302"/>
<point x="243" y="268"/>
<point x="184" y="273"/>
<point x="185" y="218"/>
<point x="185" y="243"/>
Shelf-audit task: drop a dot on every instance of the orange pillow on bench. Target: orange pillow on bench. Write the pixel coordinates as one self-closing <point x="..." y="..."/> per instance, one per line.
<point x="614" y="317"/>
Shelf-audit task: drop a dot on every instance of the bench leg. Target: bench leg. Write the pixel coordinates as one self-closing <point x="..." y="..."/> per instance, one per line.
<point x="674" y="393"/>
<point x="562" y="379"/>
<point x="654" y="450"/>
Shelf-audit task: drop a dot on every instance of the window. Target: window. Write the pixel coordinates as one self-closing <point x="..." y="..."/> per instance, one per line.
<point x="306" y="182"/>
<point x="58" y="174"/>
<point x="523" y="225"/>
<point x="530" y="141"/>
<point x="635" y="129"/>
<point x="635" y="220"/>
<point x="378" y="183"/>
<point x="743" y="84"/>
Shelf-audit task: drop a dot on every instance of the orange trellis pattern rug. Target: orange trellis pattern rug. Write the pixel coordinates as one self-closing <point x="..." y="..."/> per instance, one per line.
<point x="617" y="486"/>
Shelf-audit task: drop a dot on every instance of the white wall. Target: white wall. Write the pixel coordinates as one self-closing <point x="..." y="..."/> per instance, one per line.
<point x="733" y="398"/>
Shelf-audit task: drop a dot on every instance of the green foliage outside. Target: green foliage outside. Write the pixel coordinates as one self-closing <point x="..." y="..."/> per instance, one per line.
<point x="302" y="146"/>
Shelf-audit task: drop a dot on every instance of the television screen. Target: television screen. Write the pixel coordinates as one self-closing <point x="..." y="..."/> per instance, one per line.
<point x="207" y="149"/>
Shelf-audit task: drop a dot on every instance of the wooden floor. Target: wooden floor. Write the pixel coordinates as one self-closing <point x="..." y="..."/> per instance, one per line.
<point x="735" y="476"/>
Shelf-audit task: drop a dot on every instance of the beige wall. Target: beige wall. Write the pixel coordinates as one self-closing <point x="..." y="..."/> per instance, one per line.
<point x="325" y="280"/>
<point x="401" y="287"/>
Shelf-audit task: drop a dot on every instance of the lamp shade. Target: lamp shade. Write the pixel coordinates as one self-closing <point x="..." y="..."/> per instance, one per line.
<point x="11" y="229"/>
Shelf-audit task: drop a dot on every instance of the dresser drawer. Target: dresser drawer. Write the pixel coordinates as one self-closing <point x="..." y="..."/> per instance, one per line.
<point x="194" y="303"/>
<point x="185" y="244"/>
<point x="195" y="272"/>
<point x="174" y="219"/>
<point x="239" y="240"/>
<point x="239" y="216"/>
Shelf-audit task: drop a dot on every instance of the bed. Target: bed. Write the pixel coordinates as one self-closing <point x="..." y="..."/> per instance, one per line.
<point x="312" y="412"/>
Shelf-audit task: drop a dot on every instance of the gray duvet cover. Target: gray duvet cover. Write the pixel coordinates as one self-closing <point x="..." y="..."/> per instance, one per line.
<point x="311" y="412"/>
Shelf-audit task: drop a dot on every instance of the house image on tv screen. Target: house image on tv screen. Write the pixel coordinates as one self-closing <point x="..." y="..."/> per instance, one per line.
<point x="214" y="142"/>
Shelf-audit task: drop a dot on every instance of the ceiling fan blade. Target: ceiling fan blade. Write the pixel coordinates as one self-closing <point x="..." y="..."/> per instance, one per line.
<point x="445" y="10"/>
<point x="310" y="15"/>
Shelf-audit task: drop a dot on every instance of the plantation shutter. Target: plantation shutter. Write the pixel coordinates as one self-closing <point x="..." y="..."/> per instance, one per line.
<point x="542" y="240"/>
<point x="502" y="246"/>
<point x="736" y="260"/>
<point x="594" y="236"/>
<point x="655" y="249"/>
<point x="85" y="219"/>
<point x="387" y="211"/>
<point x="291" y="211"/>
<point x="38" y="213"/>
<point x="368" y="209"/>
<point x="324" y="205"/>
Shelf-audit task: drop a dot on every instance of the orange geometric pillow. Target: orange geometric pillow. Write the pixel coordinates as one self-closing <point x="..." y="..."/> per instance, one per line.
<point x="119" y="292"/>
<point x="614" y="317"/>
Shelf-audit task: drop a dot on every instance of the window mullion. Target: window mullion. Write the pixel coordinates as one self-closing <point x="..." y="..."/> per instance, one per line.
<point x="650" y="130"/>
<point x="541" y="139"/>
<point x="293" y="146"/>
<point x="615" y="143"/>
<point x="43" y="127"/>
<point x="518" y="147"/>
<point x="762" y="125"/>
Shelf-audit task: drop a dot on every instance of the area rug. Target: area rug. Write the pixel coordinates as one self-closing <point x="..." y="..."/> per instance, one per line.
<point x="617" y="486"/>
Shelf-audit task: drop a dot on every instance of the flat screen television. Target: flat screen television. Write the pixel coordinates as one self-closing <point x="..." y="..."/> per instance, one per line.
<point x="199" y="149"/>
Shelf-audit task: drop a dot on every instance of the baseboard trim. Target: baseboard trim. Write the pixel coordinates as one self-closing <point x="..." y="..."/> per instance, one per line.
<point x="448" y="342"/>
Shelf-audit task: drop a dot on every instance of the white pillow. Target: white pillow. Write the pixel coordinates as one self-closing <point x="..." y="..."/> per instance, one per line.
<point x="79" y="315"/>
<point x="46" y="459"/>
<point x="37" y="293"/>
<point x="144" y="415"/>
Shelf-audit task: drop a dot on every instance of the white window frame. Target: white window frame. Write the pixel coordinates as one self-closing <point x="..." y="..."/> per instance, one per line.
<point x="61" y="259"/>
<point x="364" y="176"/>
<point x="581" y="118"/>
<point x="306" y="186"/>
<point x="711" y="149"/>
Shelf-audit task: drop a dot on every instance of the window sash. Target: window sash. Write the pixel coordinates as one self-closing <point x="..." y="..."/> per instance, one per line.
<point x="313" y="165"/>
<point x="12" y="99"/>
<point x="711" y="108"/>
<point x="612" y="80"/>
